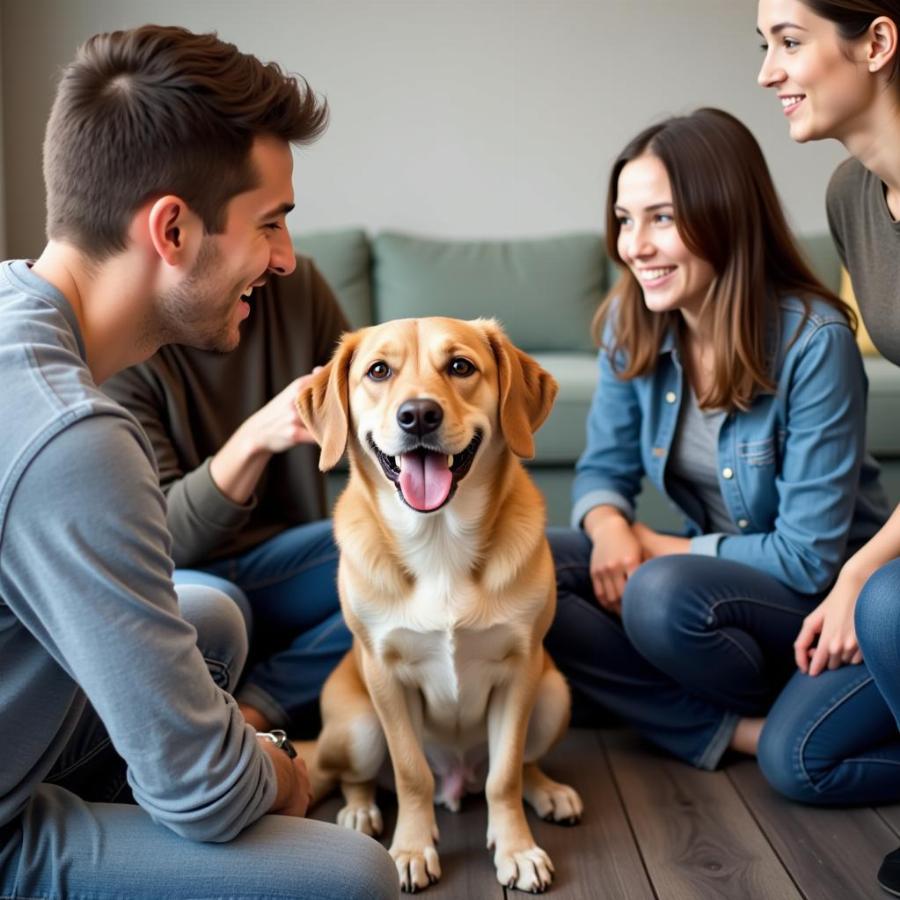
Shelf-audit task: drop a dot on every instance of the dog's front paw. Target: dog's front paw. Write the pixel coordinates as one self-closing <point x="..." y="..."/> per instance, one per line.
<point x="526" y="870"/>
<point x="417" y="868"/>
<point x="555" y="802"/>
<point x="364" y="817"/>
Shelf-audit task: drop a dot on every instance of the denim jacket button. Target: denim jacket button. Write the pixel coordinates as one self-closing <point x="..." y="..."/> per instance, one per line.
<point x="727" y="472"/>
<point x="671" y="397"/>
<point x="742" y="523"/>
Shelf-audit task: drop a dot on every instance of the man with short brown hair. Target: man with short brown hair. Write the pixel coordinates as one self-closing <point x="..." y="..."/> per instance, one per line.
<point x="169" y="176"/>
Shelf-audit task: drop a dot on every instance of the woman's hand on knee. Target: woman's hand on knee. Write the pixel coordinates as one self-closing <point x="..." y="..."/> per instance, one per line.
<point x="654" y="544"/>
<point x="615" y="555"/>
<point x="832" y="622"/>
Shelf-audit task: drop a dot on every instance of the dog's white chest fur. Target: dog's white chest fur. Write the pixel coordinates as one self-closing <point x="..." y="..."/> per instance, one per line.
<point x="454" y="669"/>
<point x="448" y="640"/>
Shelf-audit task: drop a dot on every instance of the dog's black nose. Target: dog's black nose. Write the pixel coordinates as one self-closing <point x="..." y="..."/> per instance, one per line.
<point x="419" y="416"/>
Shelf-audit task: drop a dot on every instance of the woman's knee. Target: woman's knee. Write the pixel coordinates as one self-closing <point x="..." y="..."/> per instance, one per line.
<point x="797" y="753"/>
<point x="656" y="605"/>
<point x="878" y="606"/>
<point x="779" y="755"/>
<point x="183" y="577"/>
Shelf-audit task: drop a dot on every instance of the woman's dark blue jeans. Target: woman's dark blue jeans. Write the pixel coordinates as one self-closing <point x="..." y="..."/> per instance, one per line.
<point x="702" y="642"/>
<point x="833" y="739"/>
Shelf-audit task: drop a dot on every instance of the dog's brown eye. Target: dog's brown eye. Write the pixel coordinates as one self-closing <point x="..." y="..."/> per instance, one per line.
<point x="378" y="371"/>
<point x="461" y="367"/>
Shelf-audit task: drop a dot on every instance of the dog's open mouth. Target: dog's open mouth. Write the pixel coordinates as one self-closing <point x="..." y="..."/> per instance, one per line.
<point x="426" y="478"/>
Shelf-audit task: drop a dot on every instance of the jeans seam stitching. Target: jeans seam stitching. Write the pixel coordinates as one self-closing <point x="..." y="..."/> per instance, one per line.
<point x="807" y="736"/>
<point x="767" y="604"/>
<point x="737" y="646"/>
<point x="104" y="744"/>
<point x="713" y="607"/>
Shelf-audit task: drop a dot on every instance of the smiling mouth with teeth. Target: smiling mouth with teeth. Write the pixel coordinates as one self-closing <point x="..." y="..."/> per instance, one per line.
<point x="260" y="282"/>
<point x="655" y="274"/>
<point x="426" y="478"/>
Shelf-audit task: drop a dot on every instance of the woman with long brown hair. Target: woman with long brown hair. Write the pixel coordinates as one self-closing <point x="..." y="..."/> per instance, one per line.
<point x="835" y="66"/>
<point x="730" y="378"/>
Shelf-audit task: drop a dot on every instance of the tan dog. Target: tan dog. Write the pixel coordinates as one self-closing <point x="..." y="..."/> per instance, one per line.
<point x="447" y="583"/>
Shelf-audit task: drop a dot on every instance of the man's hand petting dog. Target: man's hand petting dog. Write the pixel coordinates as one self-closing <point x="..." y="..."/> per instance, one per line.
<point x="277" y="426"/>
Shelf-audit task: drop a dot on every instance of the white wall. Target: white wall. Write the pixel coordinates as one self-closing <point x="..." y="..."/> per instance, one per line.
<point x="477" y="118"/>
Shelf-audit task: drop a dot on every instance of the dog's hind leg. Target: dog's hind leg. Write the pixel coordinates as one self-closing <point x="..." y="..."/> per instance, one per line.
<point x="321" y="783"/>
<point x="361" y="812"/>
<point x="367" y="753"/>
<point x="551" y="800"/>
<point x="351" y="748"/>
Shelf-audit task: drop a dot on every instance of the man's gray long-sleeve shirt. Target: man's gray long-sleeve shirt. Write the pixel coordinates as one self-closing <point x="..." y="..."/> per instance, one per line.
<point x="87" y="607"/>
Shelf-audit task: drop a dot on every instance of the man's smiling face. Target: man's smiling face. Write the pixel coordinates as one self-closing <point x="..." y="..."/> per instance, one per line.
<point x="206" y="309"/>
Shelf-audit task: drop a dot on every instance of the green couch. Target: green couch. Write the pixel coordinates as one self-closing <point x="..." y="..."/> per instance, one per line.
<point x="545" y="292"/>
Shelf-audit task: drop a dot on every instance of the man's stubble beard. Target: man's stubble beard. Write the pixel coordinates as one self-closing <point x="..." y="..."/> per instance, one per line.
<point x="193" y="313"/>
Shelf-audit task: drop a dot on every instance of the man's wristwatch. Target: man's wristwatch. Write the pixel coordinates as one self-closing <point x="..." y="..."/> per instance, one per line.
<point x="279" y="739"/>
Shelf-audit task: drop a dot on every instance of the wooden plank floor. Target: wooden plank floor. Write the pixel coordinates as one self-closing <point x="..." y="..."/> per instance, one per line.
<point x="656" y="829"/>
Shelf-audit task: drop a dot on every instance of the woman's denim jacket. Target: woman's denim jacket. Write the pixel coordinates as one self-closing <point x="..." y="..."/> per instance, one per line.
<point x="793" y="471"/>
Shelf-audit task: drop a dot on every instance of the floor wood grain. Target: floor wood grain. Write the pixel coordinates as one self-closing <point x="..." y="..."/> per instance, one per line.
<point x="697" y="837"/>
<point x="656" y="829"/>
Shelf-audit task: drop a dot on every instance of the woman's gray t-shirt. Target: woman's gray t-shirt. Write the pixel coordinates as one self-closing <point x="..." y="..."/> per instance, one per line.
<point x="692" y="469"/>
<point x="868" y="240"/>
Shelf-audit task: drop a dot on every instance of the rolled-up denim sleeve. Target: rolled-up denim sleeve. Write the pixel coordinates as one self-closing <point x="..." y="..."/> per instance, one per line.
<point x="706" y="544"/>
<point x="609" y="471"/>
<point x="818" y="474"/>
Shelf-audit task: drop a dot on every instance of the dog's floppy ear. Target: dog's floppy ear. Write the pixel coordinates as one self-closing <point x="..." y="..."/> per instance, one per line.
<point x="527" y="391"/>
<point x="324" y="404"/>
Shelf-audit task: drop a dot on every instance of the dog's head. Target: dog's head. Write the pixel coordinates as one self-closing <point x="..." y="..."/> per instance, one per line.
<point x="422" y="397"/>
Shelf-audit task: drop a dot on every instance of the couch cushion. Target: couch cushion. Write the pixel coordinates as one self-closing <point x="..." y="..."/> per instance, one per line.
<point x="344" y="259"/>
<point x="562" y="437"/>
<point x="544" y="291"/>
<point x="882" y="421"/>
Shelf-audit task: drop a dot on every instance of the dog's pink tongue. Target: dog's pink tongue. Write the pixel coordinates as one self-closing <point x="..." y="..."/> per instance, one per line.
<point x="425" y="479"/>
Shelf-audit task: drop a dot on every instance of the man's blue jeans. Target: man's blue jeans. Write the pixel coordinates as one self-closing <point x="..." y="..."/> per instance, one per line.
<point x="833" y="739"/>
<point x="287" y="588"/>
<point x="70" y="841"/>
<point x="701" y="642"/>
